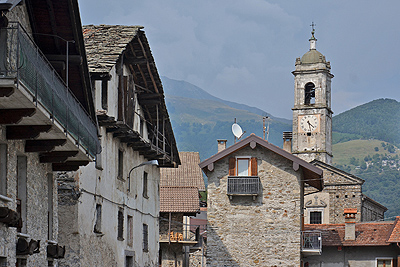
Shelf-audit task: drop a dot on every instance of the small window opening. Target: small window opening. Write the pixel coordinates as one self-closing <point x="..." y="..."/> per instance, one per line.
<point x="145" y="238"/>
<point x="145" y="182"/>
<point x="129" y="231"/>
<point x="315" y="217"/>
<point x="104" y="94"/>
<point x="129" y="261"/>
<point x="97" y="224"/>
<point x="120" y="225"/>
<point x="120" y="164"/>
<point x="309" y="94"/>
<point x="3" y="169"/>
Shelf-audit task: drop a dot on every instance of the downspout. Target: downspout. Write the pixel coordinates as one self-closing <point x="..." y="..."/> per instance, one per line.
<point x="169" y="229"/>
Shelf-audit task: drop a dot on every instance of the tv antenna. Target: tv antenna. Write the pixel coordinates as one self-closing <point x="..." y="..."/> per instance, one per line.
<point x="266" y="129"/>
<point x="237" y="131"/>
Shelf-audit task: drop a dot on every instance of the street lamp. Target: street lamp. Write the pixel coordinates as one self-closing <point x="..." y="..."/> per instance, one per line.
<point x="151" y="162"/>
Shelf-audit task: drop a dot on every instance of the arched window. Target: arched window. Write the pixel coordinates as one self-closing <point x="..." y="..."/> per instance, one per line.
<point x="309" y="98"/>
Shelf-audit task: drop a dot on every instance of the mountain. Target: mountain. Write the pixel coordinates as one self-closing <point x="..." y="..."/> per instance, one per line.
<point x="199" y="119"/>
<point x="188" y="90"/>
<point x="378" y="119"/>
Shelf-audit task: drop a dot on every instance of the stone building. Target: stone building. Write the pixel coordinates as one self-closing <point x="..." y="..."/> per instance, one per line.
<point x="341" y="190"/>
<point x="47" y="123"/>
<point x="311" y="140"/>
<point x="255" y="204"/>
<point x="179" y="198"/>
<point x="109" y="209"/>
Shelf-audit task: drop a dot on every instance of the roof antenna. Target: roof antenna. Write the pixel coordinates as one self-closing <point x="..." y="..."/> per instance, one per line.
<point x="266" y="129"/>
<point x="237" y="131"/>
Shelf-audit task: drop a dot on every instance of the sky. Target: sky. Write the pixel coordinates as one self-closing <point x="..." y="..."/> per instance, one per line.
<point x="244" y="51"/>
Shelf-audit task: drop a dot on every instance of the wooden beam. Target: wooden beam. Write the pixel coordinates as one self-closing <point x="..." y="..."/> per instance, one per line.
<point x="148" y="65"/>
<point x="6" y="91"/>
<point x="56" y="156"/>
<point x="21" y="132"/>
<point x="43" y="145"/>
<point x="72" y="165"/>
<point x="13" y="116"/>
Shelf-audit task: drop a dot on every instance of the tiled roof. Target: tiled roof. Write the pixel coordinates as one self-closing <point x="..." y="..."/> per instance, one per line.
<point x="187" y="174"/>
<point x="105" y="43"/>
<point x="179" y="199"/>
<point x="395" y="235"/>
<point x="367" y="234"/>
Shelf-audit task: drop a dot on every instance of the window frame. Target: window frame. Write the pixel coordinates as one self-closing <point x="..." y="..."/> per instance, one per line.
<point x="252" y="166"/>
<point x="385" y="259"/>
<point x="120" y="166"/>
<point x="310" y="210"/>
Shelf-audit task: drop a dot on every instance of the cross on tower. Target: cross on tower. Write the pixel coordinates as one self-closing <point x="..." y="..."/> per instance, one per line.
<point x="313" y="29"/>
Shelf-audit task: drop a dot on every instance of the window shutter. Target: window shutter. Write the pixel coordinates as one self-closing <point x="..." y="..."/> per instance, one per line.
<point x="232" y="165"/>
<point x="253" y="163"/>
<point x="395" y="262"/>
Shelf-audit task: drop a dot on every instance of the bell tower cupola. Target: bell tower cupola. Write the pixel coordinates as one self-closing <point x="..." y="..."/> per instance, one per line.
<point x="312" y="113"/>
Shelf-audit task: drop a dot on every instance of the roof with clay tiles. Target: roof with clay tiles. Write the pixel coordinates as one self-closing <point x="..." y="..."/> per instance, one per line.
<point x="187" y="174"/>
<point x="179" y="199"/>
<point x="395" y="235"/>
<point x="367" y="234"/>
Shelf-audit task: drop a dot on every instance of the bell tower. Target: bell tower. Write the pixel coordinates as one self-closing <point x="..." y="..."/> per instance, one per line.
<point x="312" y="113"/>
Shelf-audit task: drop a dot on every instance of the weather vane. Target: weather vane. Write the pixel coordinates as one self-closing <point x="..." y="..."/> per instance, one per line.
<point x="313" y="29"/>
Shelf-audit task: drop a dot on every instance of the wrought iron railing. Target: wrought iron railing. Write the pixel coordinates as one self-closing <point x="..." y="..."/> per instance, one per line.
<point x="243" y="185"/>
<point x="311" y="241"/>
<point x="22" y="60"/>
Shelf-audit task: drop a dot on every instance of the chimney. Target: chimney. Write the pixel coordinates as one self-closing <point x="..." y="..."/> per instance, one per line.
<point x="350" y="224"/>
<point x="287" y="141"/>
<point x="221" y="144"/>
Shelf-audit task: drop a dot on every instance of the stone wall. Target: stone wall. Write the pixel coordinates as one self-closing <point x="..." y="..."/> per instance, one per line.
<point x="36" y="225"/>
<point x="261" y="232"/>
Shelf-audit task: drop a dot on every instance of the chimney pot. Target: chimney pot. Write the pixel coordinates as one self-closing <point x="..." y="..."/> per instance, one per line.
<point x="221" y="144"/>
<point x="350" y="224"/>
<point x="287" y="141"/>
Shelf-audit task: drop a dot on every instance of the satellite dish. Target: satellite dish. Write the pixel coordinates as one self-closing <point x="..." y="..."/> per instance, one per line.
<point x="237" y="130"/>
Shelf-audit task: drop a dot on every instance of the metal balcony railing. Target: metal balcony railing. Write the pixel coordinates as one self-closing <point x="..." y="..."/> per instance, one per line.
<point x="311" y="242"/>
<point x="22" y="60"/>
<point x="243" y="185"/>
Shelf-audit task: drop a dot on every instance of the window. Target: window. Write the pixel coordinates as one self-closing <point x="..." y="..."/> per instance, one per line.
<point x="120" y="164"/>
<point x="3" y="261"/>
<point x="97" y="224"/>
<point x="3" y="169"/>
<point x="384" y="262"/>
<point x="316" y="217"/>
<point x="129" y="261"/>
<point x="145" y="185"/>
<point x="50" y="184"/>
<point x="104" y="94"/>
<point x="21" y="263"/>
<point x="120" y="234"/>
<point x="309" y="94"/>
<point x="129" y="232"/>
<point x="145" y="238"/>
<point x="21" y="191"/>
<point x="243" y="166"/>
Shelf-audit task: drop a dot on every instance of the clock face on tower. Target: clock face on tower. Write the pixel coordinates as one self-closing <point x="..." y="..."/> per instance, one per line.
<point x="309" y="123"/>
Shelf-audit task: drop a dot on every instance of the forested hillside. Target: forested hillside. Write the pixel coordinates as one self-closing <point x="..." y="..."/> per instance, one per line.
<point x="378" y="119"/>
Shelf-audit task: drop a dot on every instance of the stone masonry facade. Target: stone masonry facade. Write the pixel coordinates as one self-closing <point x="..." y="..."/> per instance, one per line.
<point x="260" y="232"/>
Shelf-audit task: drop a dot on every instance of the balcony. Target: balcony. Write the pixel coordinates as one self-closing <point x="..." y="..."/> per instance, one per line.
<point x="39" y="101"/>
<point x="243" y="186"/>
<point x="311" y="243"/>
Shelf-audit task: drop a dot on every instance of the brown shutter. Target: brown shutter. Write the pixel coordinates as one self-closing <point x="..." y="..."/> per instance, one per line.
<point x="396" y="262"/>
<point x="253" y="167"/>
<point x="232" y="165"/>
